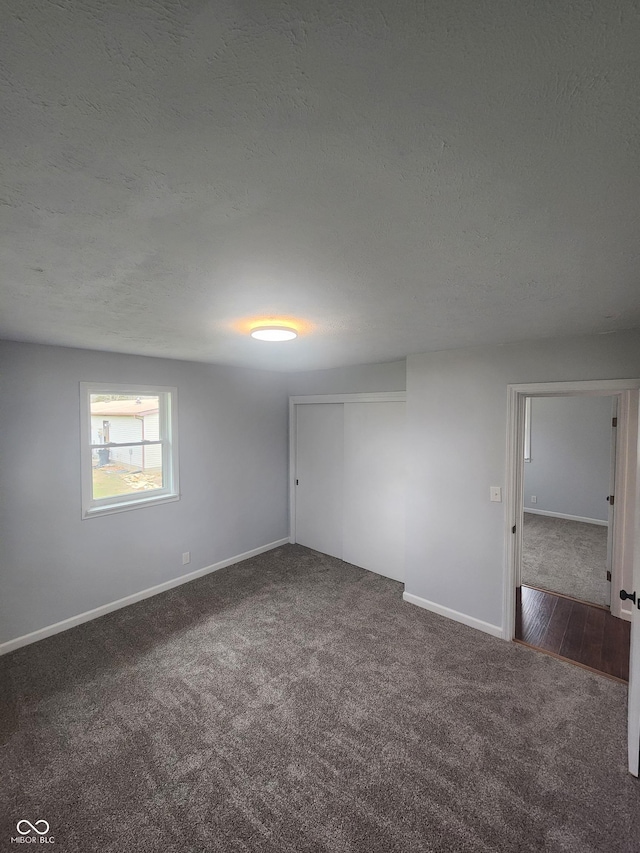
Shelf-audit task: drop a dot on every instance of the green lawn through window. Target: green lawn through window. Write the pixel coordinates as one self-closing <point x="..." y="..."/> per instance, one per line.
<point x="110" y="481"/>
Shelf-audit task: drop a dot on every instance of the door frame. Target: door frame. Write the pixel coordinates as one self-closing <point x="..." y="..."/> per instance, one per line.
<point x="365" y="397"/>
<point x="623" y="534"/>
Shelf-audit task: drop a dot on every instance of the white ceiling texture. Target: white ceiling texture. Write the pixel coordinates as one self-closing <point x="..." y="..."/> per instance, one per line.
<point x="396" y="176"/>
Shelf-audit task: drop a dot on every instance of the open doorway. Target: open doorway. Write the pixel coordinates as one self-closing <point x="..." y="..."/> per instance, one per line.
<point x="557" y="596"/>
<point x="564" y="603"/>
<point x="568" y="501"/>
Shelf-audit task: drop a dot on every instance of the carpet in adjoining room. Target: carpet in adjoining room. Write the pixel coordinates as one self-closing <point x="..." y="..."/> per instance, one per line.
<point x="295" y="703"/>
<point x="565" y="556"/>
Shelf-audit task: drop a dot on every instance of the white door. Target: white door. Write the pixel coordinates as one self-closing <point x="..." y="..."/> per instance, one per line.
<point x="319" y="476"/>
<point x="634" y="656"/>
<point x="614" y="604"/>
<point x="634" y="687"/>
<point x="374" y="486"/>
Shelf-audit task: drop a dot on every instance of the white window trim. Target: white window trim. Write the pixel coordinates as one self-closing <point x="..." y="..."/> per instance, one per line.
<point x="168" y="414"/>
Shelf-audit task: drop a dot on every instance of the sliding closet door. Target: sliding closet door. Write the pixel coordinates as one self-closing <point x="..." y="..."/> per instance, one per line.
<point x="319" y="475"/>
<point x="374" y="486"/>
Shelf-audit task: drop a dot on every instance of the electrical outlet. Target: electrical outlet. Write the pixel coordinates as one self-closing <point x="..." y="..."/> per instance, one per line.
<point x="495" y="494"/>
<point x="186" y="558"/>
<point x="534" y="499"/>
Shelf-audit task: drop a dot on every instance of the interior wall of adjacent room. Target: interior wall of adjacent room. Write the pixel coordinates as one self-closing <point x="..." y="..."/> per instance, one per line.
<point x="233" y="480"/>
<point x="456" y="410"/>
<point x="353" y="379"/>
<point x="570" y="456"/>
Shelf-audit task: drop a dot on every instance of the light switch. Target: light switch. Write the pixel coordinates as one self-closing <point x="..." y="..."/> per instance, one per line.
<point x="495" y="493"/>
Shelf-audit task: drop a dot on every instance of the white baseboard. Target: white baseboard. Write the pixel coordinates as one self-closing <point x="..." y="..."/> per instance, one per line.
<point x="471" y="621"/>
<point x="569" y="517"/>
<point x="58" y="627"/>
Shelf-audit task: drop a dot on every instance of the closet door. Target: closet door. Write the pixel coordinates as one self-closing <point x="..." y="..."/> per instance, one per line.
<point x="319" y="474"/>
<point x="374" y="487"/>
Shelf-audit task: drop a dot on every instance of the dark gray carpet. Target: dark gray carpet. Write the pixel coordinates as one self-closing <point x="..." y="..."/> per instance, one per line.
<point x="296" y="703"/>
<point x="566" y="556"/>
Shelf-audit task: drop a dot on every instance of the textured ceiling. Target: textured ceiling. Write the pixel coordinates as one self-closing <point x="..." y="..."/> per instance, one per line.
<point x="401" y="176"/>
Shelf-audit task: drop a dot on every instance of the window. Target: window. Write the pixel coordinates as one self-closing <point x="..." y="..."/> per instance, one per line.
<point x="128" y="446"/>
<point x="527" y="429"/>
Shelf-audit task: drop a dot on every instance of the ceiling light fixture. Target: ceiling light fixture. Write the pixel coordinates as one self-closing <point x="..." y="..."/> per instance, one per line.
<point x="273" y="333"/>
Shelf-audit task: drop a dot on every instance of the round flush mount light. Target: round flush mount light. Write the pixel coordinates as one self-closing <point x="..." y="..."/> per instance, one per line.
<point x="273" y="333"/>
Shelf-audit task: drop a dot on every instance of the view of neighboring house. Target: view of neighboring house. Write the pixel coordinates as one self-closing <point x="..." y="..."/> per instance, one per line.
<point x="121" y="421"/>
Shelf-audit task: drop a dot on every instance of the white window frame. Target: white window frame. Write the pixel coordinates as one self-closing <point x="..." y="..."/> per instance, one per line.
<point x="168" y="430"/>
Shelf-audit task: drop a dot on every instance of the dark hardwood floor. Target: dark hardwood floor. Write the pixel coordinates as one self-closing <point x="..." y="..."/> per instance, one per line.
<point x="574" y="630"/>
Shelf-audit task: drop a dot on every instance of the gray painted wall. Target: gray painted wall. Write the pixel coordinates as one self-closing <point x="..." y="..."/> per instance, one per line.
<point x="233" y="469"/>
<point x="355" y="379"/>
<point x="570" y="456"/>
<point x="457" y="415"/>
<point x="233" y="478"/>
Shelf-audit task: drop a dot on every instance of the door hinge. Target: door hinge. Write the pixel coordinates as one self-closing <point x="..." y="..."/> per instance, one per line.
<point x="614" y="422"/>
<point x="608" y="576"/>
<point x="513" y="529"/>
<point x="611" y="499"/>
<point x="297" y="481"/>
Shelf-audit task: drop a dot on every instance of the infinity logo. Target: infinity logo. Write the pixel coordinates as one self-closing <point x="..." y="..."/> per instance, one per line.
<point x="32" y="828"/>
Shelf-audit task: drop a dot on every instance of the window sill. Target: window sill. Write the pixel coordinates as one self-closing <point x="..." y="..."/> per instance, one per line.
<point x="125" y="506"/>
